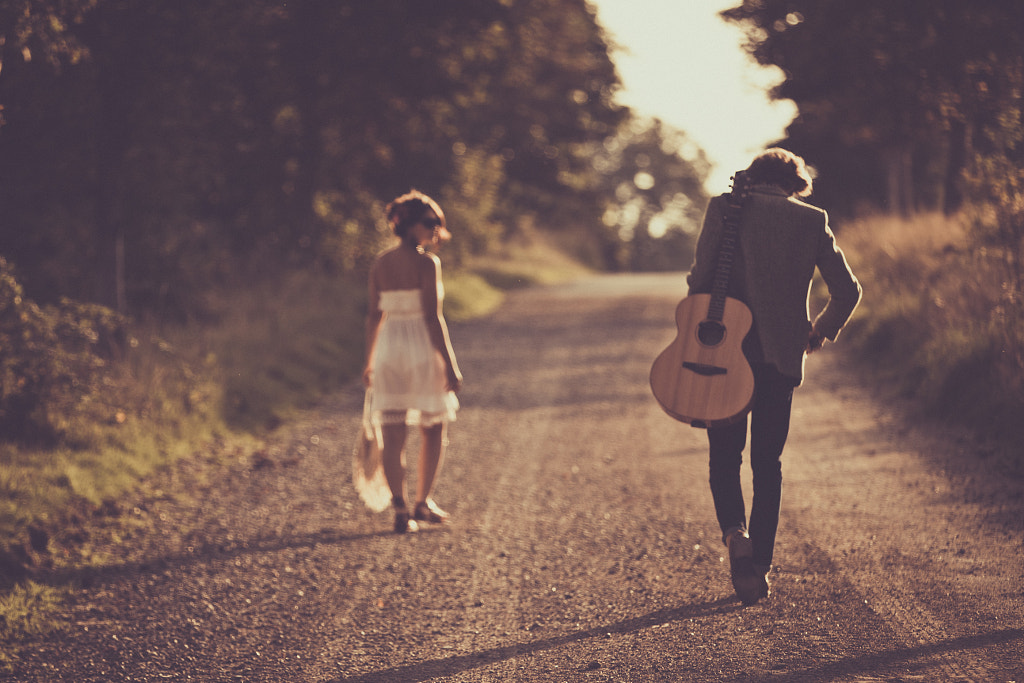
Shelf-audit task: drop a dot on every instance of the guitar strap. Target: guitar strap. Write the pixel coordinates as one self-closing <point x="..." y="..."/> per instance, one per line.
<point x="728" y="248"/>
<point x="730" y="258"/>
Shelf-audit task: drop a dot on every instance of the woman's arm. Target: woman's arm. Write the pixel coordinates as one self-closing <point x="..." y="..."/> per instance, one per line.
<point x="436" y="325"/>
<point x="373" y="318"/>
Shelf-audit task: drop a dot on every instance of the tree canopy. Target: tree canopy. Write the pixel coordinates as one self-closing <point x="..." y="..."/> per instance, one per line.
<point x="898" y="102"/>
<point x="152" y="149"/>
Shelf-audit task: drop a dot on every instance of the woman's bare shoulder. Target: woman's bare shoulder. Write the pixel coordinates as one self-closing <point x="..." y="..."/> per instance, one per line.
<point x="404" y="269"/>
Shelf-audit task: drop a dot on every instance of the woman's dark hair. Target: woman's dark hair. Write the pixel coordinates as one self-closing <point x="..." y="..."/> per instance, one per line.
<point x="782" y="168"/>
<point x="407" y="210"/>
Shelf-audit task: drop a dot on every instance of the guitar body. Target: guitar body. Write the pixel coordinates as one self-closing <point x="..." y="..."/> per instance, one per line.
<point x="703" y="378"/>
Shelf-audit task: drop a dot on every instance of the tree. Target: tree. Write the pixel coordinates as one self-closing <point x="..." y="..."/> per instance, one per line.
<point x="886" y="91"/>
<point x="41" y="29"/>
<point x="189" y="141"/>
<point x="652" y="178"/>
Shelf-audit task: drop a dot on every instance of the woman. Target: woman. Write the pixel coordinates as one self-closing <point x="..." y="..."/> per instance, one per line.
<point x="410" y="364"/>
<point x="782" y="241"/>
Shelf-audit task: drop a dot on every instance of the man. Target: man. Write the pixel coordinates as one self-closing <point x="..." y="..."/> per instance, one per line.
<point x="782" y="240"/>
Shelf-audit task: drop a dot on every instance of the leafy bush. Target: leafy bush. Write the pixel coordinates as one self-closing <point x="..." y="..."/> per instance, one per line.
<point x="53" y="359"/>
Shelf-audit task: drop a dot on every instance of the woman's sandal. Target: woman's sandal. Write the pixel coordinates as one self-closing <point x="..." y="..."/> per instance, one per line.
<point x="427" y="511"/>
<point x="403" y="521"/>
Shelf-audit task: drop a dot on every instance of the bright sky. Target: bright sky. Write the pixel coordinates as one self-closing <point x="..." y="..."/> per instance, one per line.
<point x="681" y="63"/>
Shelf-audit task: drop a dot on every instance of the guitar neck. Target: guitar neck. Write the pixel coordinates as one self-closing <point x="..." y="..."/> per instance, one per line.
<point x="727" y="248"/>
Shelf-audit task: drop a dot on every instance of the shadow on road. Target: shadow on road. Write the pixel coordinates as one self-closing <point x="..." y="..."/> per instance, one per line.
<point x="874" y="663"/>
<point x="881" y="663"/>
<point x="457" y="664"/>
<point x="91" y="576"/>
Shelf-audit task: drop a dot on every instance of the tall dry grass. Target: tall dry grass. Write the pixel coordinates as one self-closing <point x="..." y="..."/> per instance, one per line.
<point x="940" y="319"/>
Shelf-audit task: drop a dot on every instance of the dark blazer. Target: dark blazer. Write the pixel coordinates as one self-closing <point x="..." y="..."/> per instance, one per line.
<point x="782" y="240"/>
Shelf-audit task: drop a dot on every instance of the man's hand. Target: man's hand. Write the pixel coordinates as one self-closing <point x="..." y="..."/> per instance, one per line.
<point x="815" y="340"/>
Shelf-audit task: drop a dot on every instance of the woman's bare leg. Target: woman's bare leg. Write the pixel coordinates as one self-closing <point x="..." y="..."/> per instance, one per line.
<point x="431" y="456"/>
<point x="393" y="455"/>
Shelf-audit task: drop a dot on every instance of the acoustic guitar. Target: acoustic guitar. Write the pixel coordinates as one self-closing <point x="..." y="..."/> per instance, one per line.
<point x="703" y="378"/>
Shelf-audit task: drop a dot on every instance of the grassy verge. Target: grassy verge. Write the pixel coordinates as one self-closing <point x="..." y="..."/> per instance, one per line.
<point x="27" y="609"/>
<point x="272" y="349"/>
<point x="939" y="321"/>
<point x="480" y="284"/>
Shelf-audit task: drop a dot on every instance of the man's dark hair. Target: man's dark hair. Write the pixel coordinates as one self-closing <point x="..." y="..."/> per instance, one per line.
<point x="781" y="168"/>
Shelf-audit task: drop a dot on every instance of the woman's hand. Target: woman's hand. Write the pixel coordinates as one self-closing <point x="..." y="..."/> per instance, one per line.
<point x="454" y="380"/>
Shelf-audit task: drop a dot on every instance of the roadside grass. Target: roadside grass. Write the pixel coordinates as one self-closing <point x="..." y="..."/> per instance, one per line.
<point x="265" y="353"/>
<point x="28" y="609"/>
<point x="939" y="321"/>
<point x="530" y="258"/>
<point x="276" y="347"/>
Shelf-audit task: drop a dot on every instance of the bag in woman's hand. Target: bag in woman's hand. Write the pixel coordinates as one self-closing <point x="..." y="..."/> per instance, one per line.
<point x="368" y="465"/>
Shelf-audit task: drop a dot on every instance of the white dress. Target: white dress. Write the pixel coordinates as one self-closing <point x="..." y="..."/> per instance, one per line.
<point x="408" y="373"/>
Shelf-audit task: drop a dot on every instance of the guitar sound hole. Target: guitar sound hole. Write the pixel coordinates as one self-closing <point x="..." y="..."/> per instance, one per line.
<point x="710" y="333"/>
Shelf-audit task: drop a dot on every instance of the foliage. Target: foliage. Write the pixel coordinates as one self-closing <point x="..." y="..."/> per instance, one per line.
<point x="189" y="142"/>
<point x="54" y="361"/>
<point x="996" y="178"/>
<point x="652" y="180"/>
<point x="42" y="27"/>
<point x="529" y="257"/>
<point x="180" y="147"/>
<point x="472" y="202"/>
<point x="892" y="95"/>
<point x="273" y="352"/>
<point x="936" y="319"/>
<point x="86" y="410"/>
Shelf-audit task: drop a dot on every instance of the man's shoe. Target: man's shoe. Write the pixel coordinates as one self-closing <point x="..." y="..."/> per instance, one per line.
<point x="762" y="574"/>
<point x="749" y="586"/>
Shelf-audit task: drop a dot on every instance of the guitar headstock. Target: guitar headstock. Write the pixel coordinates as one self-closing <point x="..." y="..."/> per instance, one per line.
<point x="740" y="185"/>
<point x="739" y="191"/>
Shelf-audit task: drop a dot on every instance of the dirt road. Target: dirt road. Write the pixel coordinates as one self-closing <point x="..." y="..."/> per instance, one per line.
<point x="583" y="545"/>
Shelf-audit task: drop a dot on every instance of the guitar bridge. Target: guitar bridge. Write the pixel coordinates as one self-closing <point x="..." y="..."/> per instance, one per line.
<point x="704" y="369"/>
